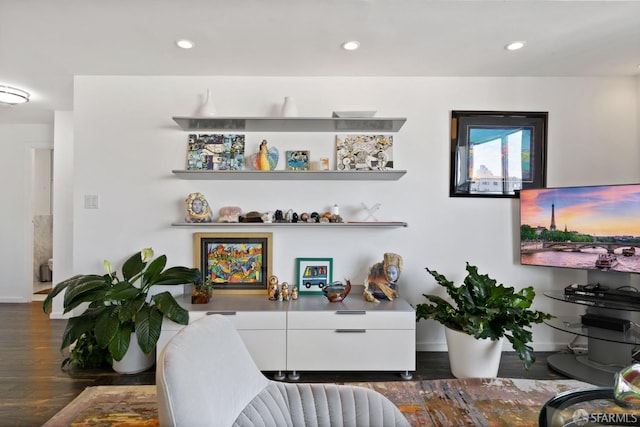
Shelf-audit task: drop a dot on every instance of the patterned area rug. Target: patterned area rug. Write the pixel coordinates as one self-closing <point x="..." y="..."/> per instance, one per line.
<point x="470" y="402"/>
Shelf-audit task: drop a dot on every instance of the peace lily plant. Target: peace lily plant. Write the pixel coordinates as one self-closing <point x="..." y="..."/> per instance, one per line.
<point x="118" y="307"/>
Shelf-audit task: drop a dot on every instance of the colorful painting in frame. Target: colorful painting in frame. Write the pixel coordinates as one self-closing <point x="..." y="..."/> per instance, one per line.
<point x="364" y="152"/>
<point x="313" y="274"/>
<point x="297" y="160"/>
<point x="234" y="261"/>
<point x="215" y="152"/>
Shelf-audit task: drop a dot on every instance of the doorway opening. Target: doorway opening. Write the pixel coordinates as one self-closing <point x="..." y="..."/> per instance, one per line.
<point x="42" y="220"/>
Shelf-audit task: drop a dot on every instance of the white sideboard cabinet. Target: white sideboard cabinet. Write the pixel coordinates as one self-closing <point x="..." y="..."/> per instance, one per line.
<point x="313" y="334"/>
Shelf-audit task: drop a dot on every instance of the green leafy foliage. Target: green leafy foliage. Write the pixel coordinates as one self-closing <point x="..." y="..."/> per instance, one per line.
<point x="485" y="309"/>
<point x="117" y="307"/>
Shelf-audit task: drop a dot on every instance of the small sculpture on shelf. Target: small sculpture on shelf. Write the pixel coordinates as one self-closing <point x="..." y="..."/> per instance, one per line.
<point x="284" y="291"/>
<point x="202" y="292"/>
<point x="273" y="288"/>
<point x="381" y="282"/>
<point x="337" y="291"/>
<point x="266" y="159"/>
<point x="230" y="214"/>
<point x="198" y="209"/>
<point x="294" y="292"/>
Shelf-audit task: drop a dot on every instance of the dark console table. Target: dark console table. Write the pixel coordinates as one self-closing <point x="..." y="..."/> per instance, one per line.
<point x="609" y="350"/>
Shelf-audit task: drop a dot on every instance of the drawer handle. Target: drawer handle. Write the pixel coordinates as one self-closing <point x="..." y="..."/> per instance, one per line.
<point x="351" y="331"/>
<point x="351" y="312"/>
<point x="224" y="313"/>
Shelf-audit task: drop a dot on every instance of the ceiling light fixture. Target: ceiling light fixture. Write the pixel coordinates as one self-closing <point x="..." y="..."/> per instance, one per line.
<point x="11" y="95"/>
<point x="185" y="44"/>
<point x="351" y="45"/>
<point x="515" y="45"/>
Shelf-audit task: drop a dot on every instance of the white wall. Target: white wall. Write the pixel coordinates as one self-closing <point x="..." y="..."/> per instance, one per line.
<point x="126" y="145"/>
<point x="16" y="255"/>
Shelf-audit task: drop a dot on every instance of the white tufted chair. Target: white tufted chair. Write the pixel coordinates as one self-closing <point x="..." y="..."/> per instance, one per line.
<point x="206" y="377"/>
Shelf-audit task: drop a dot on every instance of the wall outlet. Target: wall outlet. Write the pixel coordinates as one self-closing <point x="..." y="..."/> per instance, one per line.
<point x="91" y="201"/>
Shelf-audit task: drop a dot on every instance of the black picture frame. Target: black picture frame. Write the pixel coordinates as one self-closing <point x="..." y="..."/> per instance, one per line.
<point x="497" y="153"/>
<point x="234" y="261"/>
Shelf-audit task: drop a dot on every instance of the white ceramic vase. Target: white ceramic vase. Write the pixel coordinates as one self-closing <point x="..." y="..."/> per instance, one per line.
<point x="134" y="360"/>
<point x="208" y="108"/>
<point x="289" y="108"/>
<point x="470" y="357"/>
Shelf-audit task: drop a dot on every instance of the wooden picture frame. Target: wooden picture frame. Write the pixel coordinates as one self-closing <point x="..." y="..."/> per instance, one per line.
<point x="497" y="153"/>
<point x="313" y="274"/>
<point x="234" y="261"/>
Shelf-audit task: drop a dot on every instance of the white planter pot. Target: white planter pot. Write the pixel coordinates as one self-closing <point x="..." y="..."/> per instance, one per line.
<point x="134" y="360"/>
<point x="473" y="358"/>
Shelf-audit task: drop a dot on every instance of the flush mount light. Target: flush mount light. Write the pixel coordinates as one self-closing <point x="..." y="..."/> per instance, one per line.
<point x="515" y="45"/>
<point x="185" y="44"/>
<point x="11" y="95"/>
<point x="351" y="45"/>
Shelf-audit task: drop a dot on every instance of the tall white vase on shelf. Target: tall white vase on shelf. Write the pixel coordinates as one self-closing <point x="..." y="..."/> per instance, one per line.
<point x="208" y="108"/>
<point x="289" y="108"/>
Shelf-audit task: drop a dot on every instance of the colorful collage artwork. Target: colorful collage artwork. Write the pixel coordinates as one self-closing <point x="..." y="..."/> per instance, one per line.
<point x="364" y="152"/>
<point x="215" y="152"/>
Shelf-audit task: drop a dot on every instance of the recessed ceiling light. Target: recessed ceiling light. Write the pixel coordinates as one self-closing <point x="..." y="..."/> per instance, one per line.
<point x="351" y="45"/>
<point x="515" y="45"/>
<point x="185" y="44"/>
<point x="12" y="95"/>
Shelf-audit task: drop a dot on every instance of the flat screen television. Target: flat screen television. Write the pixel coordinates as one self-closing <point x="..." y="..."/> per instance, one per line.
<point x="591" y="228"/>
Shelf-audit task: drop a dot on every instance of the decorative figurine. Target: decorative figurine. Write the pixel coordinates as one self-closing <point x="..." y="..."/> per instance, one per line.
<point x="230" y="214"/>
<point x="383" y="276"/>
<point x="198" y="209"/>
<point x="202" y="292"/>
<point x="294" y="292"/>
<point x="284" y="291"/>
<point x="337" y="291"/>
<point x="273" y="290"/>
<point x="266" y="159"/>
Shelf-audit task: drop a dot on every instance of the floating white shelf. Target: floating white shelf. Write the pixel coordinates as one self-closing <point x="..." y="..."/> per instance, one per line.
<point x="291" y="224"/>
<point x="282" y="175"/>
<point x="290" y="124"/>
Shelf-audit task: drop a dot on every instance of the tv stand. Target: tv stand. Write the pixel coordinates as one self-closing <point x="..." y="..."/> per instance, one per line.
<point x="608" y="350"/>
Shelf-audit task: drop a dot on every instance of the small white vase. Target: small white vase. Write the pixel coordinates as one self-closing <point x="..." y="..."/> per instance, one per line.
<point x="289" y="108"/>
<point x="470" y="357"/>
<point x="208" y="108"/>
<point x="134" y="360"/>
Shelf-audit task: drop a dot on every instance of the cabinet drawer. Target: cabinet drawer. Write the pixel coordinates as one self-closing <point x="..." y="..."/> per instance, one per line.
<point x="240" y="319"/>
<point x="365" y="350"/>
<point x="352" y="319"/>
<point x="268" y="348"/>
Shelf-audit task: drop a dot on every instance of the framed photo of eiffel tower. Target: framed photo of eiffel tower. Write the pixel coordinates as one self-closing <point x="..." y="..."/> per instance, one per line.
<point x="497" y="153"/>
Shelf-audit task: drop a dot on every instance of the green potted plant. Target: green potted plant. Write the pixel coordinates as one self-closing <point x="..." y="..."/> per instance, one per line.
<point x="119" y="308"/>
<point x="484" y="312"/>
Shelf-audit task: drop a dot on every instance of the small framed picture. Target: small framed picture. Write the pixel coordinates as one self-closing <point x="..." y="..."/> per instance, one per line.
<point x="297" y="160"/>
<point x="314" y="274"/>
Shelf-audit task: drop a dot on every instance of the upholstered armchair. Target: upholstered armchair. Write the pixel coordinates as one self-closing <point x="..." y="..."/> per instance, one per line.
<point x="206" y="377"/>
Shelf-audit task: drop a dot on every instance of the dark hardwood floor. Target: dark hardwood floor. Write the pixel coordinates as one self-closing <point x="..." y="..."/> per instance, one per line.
<point x="33" y="387"/>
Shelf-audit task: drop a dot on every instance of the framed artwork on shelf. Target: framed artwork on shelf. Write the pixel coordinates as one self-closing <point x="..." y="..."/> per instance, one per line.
<point x="497" y="153"/>
<point x="364" y="152"/>
<point x="215" y="152"/>
<point x="297" y="160"/>
<point x="313" y="274"/>
<point x="234" y="260"/>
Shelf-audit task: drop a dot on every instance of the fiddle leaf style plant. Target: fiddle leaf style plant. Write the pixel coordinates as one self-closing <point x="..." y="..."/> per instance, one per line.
<point x="484" y="309"/>
<point x="117" y="307"/>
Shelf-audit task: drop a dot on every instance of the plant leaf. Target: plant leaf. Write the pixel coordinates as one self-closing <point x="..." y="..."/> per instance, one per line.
<point x="169" y="307"/>
<point x="120" y="343"/>
<point x="178" y="276"/>
<point x="106" y="325"/>
<point x="148" y="328"/>
<point x="133" y="266"/>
